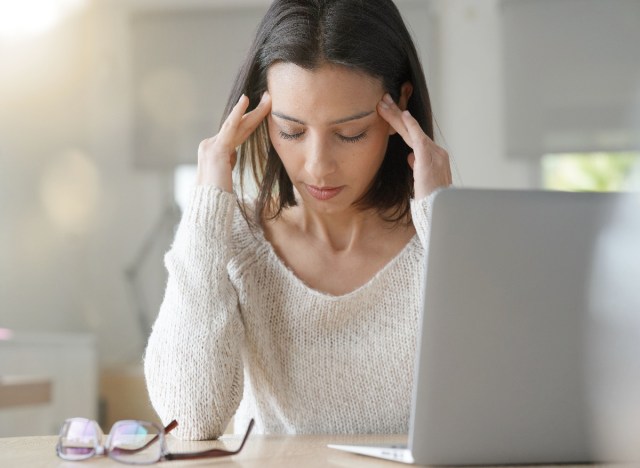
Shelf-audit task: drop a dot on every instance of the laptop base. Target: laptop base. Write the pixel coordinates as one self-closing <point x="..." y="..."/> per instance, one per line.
<point x="395" y="452"/>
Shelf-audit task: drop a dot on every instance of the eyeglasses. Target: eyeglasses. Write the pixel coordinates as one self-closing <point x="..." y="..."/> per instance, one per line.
<point x="131" y="442"/>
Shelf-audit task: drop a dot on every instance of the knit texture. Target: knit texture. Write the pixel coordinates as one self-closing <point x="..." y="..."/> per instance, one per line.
<point x="239" y="334"/>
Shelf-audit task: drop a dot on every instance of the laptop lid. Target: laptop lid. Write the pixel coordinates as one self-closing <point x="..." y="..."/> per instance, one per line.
<point x="501" y="373"/>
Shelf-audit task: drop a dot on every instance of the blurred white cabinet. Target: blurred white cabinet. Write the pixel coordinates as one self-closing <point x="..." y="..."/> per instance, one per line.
<point x="67" y="361"/>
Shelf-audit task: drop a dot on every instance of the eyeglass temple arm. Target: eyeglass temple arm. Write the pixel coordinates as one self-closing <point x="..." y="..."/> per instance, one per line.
<point x="213" y="452"/>
<point x="170" y="427"/>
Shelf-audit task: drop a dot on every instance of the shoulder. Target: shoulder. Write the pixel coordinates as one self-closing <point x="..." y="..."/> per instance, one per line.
<point x="249" y="245"/>
<point x="246" y="231"/>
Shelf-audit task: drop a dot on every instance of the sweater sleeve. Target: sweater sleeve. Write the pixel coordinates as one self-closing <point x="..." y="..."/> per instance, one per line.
<point x="193" y="364"/>
<point x="421" y="216"/>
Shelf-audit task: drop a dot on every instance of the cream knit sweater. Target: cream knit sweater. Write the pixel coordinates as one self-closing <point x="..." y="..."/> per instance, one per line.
<point x="239" y="333"/>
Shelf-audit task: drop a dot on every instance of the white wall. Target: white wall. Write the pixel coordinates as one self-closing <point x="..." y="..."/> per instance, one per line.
<point x="468" y="98"/>
<point x="74" y="212"/>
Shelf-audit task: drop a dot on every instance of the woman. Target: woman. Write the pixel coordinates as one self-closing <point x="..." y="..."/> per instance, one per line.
<point x="300" y="308"/>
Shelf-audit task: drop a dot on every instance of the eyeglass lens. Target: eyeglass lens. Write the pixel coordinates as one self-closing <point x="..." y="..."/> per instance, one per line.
<point x="135" y="442"/>
<point x="132" y="442"/>
<point x="79" y="439"/>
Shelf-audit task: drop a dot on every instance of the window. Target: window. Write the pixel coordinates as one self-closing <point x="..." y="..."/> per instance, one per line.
<point x="570" y="75"/>
<point x="599" y="172"/>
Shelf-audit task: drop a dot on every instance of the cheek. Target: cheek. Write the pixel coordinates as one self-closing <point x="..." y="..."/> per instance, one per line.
<point x="367" y="158"/>
<point x="377" y="144"/>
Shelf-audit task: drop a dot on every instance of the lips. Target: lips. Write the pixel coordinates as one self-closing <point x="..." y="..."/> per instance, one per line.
<point x="323" y="193"/>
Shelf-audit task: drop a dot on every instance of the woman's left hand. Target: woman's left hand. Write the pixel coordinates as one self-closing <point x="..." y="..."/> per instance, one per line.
<point x="430" y="163"/>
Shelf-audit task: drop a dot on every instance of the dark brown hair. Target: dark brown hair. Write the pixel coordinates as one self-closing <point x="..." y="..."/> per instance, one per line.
<point x="366" y="35"/>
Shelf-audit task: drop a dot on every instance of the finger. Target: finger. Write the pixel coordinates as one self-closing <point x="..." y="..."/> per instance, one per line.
<point x="230" y="125"/>
<point x="415" y="131"/>
<point x="235" y="116"/>
<point x="261" y="110"/>
<point x="423" y="146"/>
<point x="251" y="120"/>
<point x="390" y="112"/>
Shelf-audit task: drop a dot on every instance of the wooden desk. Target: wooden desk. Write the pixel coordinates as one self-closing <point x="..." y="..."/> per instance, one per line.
<point x="260" y="451"/>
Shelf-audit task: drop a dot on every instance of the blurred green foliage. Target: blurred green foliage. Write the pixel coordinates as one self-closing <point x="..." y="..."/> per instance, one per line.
<point x="596" y="172"/>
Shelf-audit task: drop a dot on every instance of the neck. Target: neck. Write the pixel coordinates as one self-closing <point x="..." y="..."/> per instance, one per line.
<point x="340" y="232"/>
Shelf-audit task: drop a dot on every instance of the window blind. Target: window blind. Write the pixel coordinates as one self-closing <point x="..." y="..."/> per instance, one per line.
<point x="572" y="75"/>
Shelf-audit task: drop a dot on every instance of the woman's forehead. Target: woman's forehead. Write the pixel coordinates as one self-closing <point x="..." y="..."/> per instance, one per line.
<point x="287" y="75"/>
<point x="333" y="90"/>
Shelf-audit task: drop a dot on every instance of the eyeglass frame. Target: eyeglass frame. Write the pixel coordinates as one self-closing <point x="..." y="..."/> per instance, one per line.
<point x="165" y="455"/>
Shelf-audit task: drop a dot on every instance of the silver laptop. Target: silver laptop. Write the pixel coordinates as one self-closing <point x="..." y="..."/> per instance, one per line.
<point x="501" y="374"/>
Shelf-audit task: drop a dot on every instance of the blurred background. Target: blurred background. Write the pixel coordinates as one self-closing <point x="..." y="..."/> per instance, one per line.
<point x="103" y="104"/>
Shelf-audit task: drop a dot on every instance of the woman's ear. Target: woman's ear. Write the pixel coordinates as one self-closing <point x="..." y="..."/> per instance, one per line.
<point x="405" y="93"/>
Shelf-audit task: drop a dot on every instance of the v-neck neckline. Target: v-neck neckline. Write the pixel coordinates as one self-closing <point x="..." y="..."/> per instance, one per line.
<point x="282" y="265"/>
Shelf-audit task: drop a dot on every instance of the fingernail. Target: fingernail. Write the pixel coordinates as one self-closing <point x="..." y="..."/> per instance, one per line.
<point x="264" y="97"/>
<point x="384" y="105"/>
<point x="387" y="98"/>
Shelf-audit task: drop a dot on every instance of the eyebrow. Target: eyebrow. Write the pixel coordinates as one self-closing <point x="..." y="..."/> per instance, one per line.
<point x="357" y="116"/>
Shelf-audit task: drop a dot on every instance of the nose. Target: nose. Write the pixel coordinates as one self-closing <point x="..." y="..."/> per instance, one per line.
<point x="319" y="160"/>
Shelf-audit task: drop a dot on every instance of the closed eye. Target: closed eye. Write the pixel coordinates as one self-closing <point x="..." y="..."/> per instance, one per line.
<point x="343" y="138"/>
<point x="290" y="136"/>
<point x="353" y="139"/>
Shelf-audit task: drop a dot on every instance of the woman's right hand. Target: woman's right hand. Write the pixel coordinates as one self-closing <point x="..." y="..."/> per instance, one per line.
<point x="217" y="155"/>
